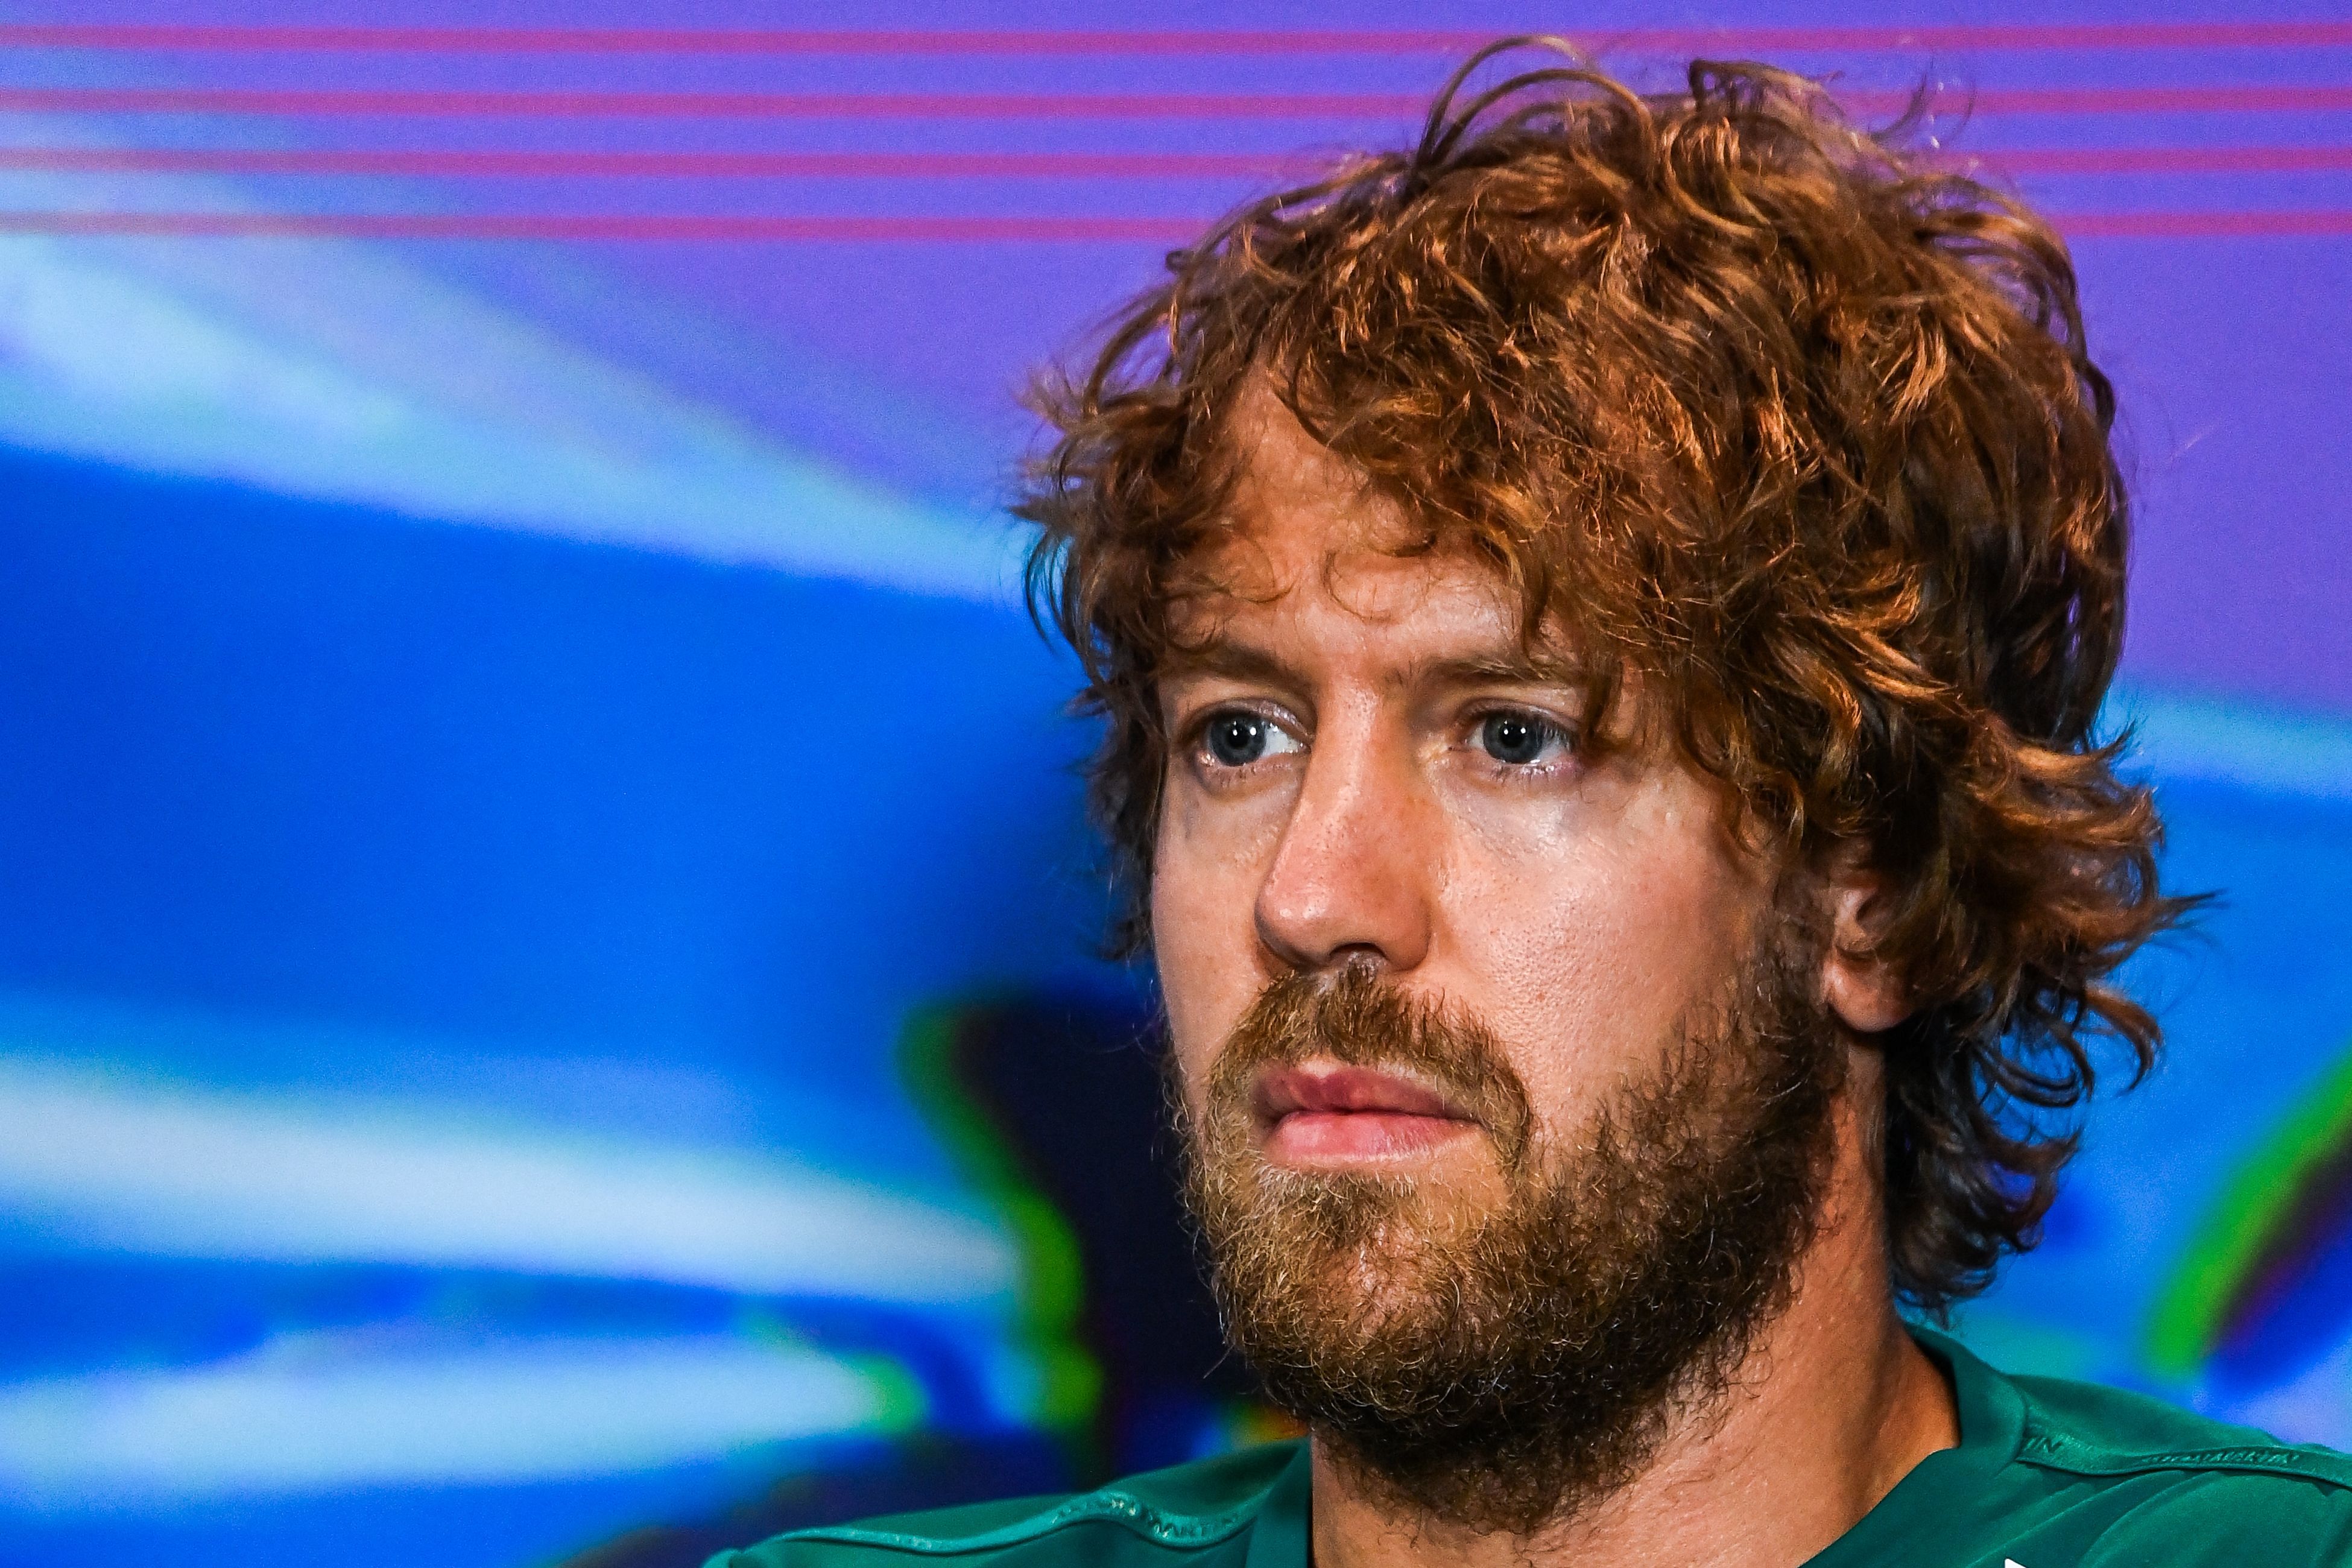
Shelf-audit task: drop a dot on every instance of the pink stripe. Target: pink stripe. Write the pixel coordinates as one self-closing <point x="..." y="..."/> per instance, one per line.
<point x="717" y="105"/>
<point x="2168" y="160"/>
<point x="2205" y="225"/>
<point x="499" y="164"/>
<point x="772" y="41"/>
<point x="1051" y="106"/>
<point x="694" y="166"/>
<point x="599" y="226"/>
<point x="1124" y="230"/>
<point x="2124" y="100"/>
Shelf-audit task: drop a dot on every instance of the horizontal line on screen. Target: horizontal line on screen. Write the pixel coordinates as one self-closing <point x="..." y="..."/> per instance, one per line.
<point x="602" y="225"/>
<point x="499" y="163"/>
<point x="949" y="229"/>
<point x="340" y="102"/>
<point x="2165" y="159"/>
<point x="506" y="164"/>
<point x="2282" y="224"/>
<point x="822" y="41"/>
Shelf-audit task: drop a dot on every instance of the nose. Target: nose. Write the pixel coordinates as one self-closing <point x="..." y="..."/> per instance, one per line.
<point x="1349" y="881"/>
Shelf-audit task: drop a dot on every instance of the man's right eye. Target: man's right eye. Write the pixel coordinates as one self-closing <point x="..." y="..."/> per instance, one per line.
<point x="1237" y="738"/>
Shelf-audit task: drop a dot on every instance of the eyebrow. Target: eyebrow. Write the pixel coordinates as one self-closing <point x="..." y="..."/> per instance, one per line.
<point x="1233" y="660"/>
<point x="1513" y="669"/>
<point x="1245" y="662"/>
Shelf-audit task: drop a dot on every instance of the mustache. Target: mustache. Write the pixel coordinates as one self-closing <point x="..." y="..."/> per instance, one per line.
<point x="1354" y="1018"/>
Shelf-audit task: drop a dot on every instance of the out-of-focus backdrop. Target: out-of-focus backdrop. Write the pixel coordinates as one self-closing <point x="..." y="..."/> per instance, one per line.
<point x="543" y="904"/>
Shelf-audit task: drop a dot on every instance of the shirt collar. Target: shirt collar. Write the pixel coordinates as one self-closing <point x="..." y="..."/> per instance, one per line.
<point x="1279" y="1537"/>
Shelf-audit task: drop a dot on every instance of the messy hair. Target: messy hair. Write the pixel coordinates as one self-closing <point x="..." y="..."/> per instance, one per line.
<point x="1793" y="422"/>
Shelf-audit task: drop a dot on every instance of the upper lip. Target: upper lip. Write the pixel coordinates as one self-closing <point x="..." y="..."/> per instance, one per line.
<point x="1327" y="1086"/>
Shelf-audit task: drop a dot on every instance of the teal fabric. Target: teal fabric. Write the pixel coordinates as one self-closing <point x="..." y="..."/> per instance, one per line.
<point x="2047" y="1474"/>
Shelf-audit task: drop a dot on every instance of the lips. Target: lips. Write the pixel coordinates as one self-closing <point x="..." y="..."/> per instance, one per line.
<point x="1325" y="1114"/>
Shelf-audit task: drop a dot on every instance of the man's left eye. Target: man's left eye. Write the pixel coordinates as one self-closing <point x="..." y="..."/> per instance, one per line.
<point x="1520" y="739"/>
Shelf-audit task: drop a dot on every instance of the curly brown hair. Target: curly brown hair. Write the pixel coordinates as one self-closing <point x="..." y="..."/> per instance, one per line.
<point x="1795" y="423"/>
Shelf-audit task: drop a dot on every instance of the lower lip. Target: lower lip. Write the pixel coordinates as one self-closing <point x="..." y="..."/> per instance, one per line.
<point x="1345" y="1137"/>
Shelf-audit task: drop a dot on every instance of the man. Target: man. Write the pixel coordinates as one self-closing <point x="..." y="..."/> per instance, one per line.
<point x="1599" y="622"/>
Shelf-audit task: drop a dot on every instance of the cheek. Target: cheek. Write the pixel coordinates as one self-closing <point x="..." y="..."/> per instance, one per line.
<point x="1588" y="942"/>
<point x="1203" y="936"/>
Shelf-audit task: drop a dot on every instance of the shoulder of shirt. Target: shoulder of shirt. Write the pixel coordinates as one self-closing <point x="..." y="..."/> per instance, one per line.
<point x="2090" y="1430"/>
<point x="1182" y="1508"/>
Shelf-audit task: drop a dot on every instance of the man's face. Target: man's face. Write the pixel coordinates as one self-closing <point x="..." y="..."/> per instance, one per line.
<point x="1362" y="768"/>
<point x="1490" y="1039"/>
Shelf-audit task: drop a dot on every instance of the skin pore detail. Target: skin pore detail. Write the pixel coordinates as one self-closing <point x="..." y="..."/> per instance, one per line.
<point x="1367" y="772"/>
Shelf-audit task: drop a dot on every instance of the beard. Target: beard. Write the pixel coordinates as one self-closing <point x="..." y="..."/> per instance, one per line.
<point x="1501" y="1368"/>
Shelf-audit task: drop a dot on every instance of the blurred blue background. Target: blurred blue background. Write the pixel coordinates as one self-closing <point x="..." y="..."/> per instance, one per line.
<point x="532" y="826"/>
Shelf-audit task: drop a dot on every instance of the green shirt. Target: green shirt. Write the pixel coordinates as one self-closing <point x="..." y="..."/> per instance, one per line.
<point x="2048" y="1474"/>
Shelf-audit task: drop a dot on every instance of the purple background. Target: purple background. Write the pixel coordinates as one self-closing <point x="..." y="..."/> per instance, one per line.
<point x="510" y="702"/>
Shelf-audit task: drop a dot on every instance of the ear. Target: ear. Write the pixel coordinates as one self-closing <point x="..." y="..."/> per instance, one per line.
<point x="1865" y="992"/>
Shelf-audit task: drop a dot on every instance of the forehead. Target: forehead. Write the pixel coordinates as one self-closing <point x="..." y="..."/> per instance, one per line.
<point x="1308" y="540"/>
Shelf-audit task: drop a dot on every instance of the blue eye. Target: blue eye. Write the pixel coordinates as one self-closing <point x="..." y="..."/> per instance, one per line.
<point x="1520" y="739"/>
<point x="1236" y="740"/>
<point x="1236" y="737"/>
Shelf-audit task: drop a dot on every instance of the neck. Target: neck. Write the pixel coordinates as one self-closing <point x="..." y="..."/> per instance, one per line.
<point x="1833" y="1405"/>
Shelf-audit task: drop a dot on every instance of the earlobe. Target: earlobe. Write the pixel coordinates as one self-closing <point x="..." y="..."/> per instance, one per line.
<point x="1864" y="992"/>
